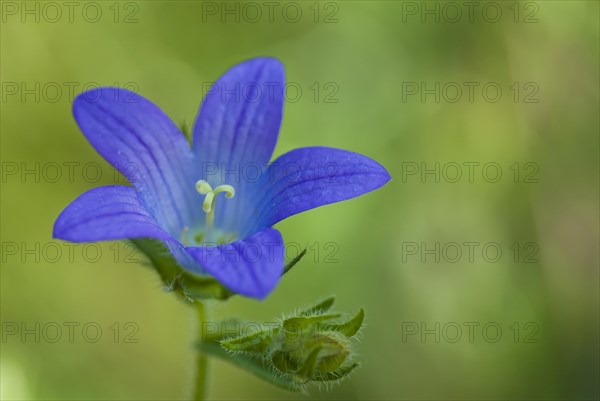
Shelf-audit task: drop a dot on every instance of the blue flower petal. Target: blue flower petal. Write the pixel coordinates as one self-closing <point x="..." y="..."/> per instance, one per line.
<point x="240" y="117"/>
<point x="140" y="140"/>
<point x="106" y="213"/>
<point x="250" y="267"/>
<point x="306" y="178"/>
<point x="236" y="131"/>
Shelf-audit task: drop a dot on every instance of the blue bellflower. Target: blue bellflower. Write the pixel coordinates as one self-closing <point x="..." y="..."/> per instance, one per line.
<point x="212" y="204"/>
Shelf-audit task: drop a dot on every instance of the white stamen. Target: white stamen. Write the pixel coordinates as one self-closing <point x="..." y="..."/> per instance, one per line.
<point x="207" y="205"/>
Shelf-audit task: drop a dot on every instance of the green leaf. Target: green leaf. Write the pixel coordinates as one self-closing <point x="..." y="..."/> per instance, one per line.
<point x="257" y="366"/>
<point x="349" y="328"/>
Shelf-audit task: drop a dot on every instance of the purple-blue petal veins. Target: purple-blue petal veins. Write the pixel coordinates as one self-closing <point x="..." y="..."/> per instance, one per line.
<point x="250" y="267"/>
<point x="306" y="178"/>
<point x="141" y="141"/>
<point x="237" y="127"/>
<point x="241" y="114"/>
<point x="107" y="213"/>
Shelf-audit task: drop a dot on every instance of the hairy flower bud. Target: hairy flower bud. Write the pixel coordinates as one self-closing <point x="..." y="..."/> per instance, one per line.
<point x="309" y="347"/>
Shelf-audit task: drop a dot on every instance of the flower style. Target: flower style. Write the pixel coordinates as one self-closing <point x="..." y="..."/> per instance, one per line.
<point x="212" y="204"/>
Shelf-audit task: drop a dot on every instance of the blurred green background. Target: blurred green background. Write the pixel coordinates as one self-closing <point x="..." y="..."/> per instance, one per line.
<point x="363" y="57"/>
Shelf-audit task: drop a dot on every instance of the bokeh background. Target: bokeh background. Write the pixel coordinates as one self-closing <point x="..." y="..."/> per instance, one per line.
<point x="362" y="56"/>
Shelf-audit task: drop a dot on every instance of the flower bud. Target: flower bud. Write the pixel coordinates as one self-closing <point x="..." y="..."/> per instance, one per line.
<point x="309" y="347"/>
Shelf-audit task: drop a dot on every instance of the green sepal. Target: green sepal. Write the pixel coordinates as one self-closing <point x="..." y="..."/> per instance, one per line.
<point x="321" y="307"/>
<point x="185" y="129"/>
<point x="187" y="285"/>
<point x="293" y="262"/>
<point x="306" y="372"/>
<point x="337" y="374"/>
<point x="284" y="362"/>
<point x="254" y="343"/>
<point x="351" y="327"/>
<point x="296" y="323"/>
<point x="334" y="351"/>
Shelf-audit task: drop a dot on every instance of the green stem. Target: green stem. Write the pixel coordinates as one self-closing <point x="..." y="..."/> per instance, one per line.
<point x="201" y="361"/>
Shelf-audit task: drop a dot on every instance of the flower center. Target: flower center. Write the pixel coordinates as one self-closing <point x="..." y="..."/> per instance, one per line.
<point x="208" y="206"/>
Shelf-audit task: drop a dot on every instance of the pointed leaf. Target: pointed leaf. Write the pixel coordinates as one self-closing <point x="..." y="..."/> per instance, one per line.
<point x="257" y="366"/>
<point x="256" y="342"/>
<point x="302" y="322"/>
<point x="349" y="328"/>
<point x="321" y="307"/>
<point x="307" y="370"/>
<point x="293" y="262"/>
